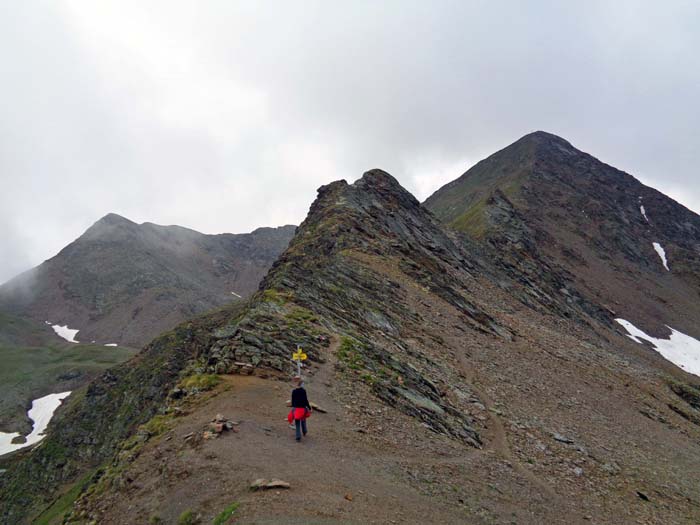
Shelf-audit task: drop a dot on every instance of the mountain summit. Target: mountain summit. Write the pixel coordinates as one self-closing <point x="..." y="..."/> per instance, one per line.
<point x="620" y="244"/>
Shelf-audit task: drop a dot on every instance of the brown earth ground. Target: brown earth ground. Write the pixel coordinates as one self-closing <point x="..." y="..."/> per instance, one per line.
<point x="364" y="462"/>
<point x="371" y="464"/>
<point x="338" y="473"/>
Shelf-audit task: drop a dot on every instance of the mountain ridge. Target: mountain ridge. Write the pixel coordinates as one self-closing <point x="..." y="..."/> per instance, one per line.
<point x="480" y="371"/>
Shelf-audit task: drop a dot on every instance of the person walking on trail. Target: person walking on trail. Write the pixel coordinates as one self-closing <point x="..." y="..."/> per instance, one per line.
<point x="301" y="409"/>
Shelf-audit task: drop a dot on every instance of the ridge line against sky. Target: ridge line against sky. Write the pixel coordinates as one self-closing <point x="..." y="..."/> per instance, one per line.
<point x="226" y="116"/>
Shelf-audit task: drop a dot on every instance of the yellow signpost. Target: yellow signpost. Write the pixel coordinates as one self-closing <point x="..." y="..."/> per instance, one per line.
<point x="299" y="356"/>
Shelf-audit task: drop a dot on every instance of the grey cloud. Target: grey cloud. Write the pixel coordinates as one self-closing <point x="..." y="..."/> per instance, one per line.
<point x="225" y="116"/>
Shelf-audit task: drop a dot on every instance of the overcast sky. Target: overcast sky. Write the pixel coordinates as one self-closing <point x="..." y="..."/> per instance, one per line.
<point x="225" y="116"/>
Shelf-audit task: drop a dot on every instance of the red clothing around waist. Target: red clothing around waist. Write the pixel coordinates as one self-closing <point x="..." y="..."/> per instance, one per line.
<point x="297" y="413"/>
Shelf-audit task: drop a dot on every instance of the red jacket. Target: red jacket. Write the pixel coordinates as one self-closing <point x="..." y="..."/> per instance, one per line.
<point x="297" y="413"/>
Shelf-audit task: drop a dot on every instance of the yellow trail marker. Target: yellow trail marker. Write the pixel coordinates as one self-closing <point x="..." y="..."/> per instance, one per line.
<point x="299" y="356"/>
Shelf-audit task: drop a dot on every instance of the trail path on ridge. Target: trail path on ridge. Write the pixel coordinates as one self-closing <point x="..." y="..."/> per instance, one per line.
<point x="336" y="475"/>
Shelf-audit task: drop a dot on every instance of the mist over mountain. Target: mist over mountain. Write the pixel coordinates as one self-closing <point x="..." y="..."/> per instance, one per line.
<point x="122" y="282"/>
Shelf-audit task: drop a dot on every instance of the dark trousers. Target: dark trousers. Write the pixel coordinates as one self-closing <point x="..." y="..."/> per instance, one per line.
<point x="300" y="425"/>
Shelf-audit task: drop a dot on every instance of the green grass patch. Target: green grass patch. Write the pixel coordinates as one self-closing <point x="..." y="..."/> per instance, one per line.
<point x="350" y="353"/>
<point x="129" y="449"/>
<point x="689" y="394"/>
<point x="334" y="288"/>
<point x="513" y="189"/>
<point x="30" y="372"/>
<point x="473" y="220"/>
<point x="200" y="382"/>
<point x="277" y="297"/>
<point x="157" y="425"/>
<point x="20" y="331"/>
<point x="300" y="318"/>
<point x="189" y="517"/>
<point x="368" y="378"/>
<point x="226" y="514"/>
<point x="301" y="314"/>
<point x="55" y="513"/>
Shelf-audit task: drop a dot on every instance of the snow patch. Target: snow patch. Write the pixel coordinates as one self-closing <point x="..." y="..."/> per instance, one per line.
<point x="41" y="413"/>
<point x="234" y="293"/>
<point x="662" y="253"/>
<point x="63" y="331"/>
<point x="644" y="213"/>
<point x="111" y="344"/>
<point x="682" y="350"/>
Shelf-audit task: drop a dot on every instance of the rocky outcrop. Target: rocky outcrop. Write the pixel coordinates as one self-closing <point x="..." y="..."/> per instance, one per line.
<point x="324" y="287"/>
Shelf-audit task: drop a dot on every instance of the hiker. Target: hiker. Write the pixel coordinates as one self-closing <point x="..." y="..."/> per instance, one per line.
<point x="301" y="409"/>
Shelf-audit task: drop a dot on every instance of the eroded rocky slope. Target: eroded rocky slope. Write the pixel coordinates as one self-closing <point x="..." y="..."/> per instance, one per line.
<point x="462" y="375"/>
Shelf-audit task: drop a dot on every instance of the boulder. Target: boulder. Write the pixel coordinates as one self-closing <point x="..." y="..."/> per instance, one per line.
<point x="277" y="484"/>
<point x="562" y="439"/>
<point x="264" y="484"/>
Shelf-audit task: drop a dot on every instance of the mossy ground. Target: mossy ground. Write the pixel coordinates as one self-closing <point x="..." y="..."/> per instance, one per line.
<point x="356" y="356"/>
<point x="201" y="386"/>
<point x="188" y="517"/>
<point x="350" y="353"/>
<point x="62" y="506"/>
<point x="201" y="382"/>
<point x="690" y="394"/>
<point x="473" y="221"/>
<point x="275" y="296"/>
<point x="225" y="515"/>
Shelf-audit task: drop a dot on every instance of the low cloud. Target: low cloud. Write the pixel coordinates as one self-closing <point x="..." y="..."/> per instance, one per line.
<point x="224" y="116"/>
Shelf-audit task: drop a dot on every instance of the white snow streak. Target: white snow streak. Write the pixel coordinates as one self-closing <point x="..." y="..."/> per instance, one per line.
<point x="111" y="344"/>
<point x="234" y="293"/>
<point x="662" y="253"/>
<point x="644" y="213"/>
<point x="66" y="333"/>
<point x="682" y="350"/>
<point x="41" y="413"/>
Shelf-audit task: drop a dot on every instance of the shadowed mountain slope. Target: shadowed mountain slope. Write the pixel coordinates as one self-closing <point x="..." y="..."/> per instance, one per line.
<point x="121" y="282"/>
<point x="443" y="384"/>
<point x="541" y="202"/>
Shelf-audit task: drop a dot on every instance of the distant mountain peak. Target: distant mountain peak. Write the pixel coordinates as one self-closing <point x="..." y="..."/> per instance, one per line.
<point x="380" y="182"/>
<point x="544" y="137"/>
<point x="378" y="177"/>
<point x="541" y="144"/>
<point x="108" y="225"/>
<point x="113" y="218"/>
